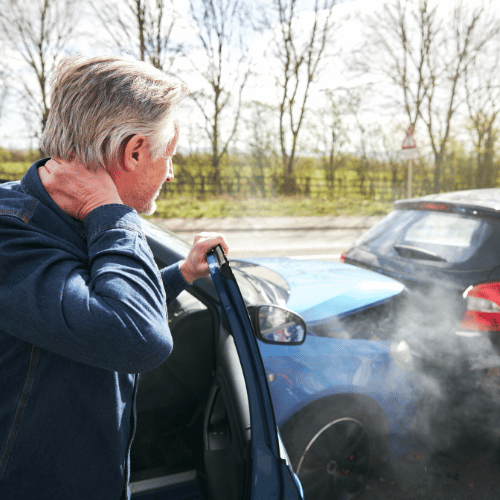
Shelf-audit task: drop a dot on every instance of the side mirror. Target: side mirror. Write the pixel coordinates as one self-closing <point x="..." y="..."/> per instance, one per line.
<point x="277" y="325"/>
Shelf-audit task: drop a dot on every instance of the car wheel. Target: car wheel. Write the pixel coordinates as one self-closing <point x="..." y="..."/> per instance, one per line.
<point x="336" y="445"/>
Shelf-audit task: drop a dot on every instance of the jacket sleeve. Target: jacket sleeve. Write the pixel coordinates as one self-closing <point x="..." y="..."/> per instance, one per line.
<point x="173" y="281"/>
<point x="106" y="308"/>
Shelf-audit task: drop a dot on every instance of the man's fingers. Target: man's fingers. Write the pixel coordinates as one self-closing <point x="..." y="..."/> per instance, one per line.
<point x="49" y="167"/>
<point x="208" y="241"/>
<point x="76" y="189"/>
<point x="196" y="265"/>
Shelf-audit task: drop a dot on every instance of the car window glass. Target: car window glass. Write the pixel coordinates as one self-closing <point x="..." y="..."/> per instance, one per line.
<point x="380" y="233"/>
<point x="454" y="237"/>
<point x="386" y="232"/>
<point x="168" y="238"/>
<point x="443" y="229"/>
<point x="451" y="236"/>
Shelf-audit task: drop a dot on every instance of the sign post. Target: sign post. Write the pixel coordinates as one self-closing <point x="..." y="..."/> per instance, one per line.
<point x="409" y="151"/>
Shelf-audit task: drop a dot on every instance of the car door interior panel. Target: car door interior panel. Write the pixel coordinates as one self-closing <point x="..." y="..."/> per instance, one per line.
<point x="193" y="436"/>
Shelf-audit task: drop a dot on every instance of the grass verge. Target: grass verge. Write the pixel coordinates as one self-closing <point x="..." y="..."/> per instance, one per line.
<point x="224" y="206"/>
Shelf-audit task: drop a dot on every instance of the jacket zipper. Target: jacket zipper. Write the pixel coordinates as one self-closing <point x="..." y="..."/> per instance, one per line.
<point x="35" y="351"/>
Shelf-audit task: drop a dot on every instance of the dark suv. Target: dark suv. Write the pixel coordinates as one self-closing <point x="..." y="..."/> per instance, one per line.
<point x="446" y="249"/>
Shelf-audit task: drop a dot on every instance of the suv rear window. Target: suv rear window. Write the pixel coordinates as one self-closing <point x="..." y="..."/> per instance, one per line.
<point x="444" y="230"/>
<point x="452" y="237"/>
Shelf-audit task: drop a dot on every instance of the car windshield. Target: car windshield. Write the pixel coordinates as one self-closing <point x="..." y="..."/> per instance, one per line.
<point x="428" y="235"/>
<point x="258" y="284"/>
<point x="169" y="238"/>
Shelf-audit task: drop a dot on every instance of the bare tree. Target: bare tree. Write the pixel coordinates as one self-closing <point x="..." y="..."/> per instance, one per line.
<point x="398" y="45"/>
<point x="300" y="42"/>
<point x="331" y="130"/>
<point x="222" y="30"/>
<point x="482" y="86"/>
<point x="261" y="142"/>
<point x="4" y="88"/>
<point x="425" y="52"/>
<point x="142" y="28"/>
<point x="35" y="35"/>
<point x="470" y="30"/>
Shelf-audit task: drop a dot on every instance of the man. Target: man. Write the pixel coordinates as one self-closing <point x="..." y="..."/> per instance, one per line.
<point x="82" y="303"/>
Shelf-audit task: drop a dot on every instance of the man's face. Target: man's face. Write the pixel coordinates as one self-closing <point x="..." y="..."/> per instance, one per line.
<point x="140" y="188"/>
<point x="151" y="182"/>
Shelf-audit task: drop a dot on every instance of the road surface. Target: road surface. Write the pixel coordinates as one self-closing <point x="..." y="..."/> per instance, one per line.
<point x="301" y="237"/>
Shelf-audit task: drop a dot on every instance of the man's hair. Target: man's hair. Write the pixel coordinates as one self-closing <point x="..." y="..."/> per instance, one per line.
<point x="99" y="102"/>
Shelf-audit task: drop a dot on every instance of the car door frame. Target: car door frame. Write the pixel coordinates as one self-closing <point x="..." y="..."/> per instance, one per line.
<point x="268" y="475"/>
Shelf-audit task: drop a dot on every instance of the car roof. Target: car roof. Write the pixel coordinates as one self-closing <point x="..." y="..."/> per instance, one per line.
<point x="484" y="199"/>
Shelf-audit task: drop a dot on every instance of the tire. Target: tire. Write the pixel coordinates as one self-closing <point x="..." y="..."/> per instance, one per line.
<point x="336" y="445"/>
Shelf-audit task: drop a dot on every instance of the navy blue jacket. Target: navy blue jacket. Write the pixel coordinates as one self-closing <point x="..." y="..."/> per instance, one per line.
<point x="82" y="311"/>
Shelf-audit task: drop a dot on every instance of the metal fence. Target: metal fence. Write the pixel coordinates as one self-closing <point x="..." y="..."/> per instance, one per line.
<point x="265" y="187"/>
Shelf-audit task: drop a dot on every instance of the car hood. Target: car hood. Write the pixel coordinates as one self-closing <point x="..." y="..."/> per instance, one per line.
<point x="322" y="289"/>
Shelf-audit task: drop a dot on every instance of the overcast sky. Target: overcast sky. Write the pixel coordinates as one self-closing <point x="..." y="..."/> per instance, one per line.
<point x="14" y="134"/>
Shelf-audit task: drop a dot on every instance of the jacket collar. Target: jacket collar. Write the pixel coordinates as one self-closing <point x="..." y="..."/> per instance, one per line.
<point x="32" y="185"/>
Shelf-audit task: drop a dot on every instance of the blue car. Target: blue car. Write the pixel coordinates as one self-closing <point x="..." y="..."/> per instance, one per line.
<point x="342" y="396"/>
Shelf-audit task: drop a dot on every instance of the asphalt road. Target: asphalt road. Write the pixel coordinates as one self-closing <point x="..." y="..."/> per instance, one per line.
<point x="458" y="474"/>
<point x="301" y="237"/>
<point x="463" y="472"/>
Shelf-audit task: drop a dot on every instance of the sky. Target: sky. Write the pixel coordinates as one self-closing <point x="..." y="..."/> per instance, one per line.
<point x="14" y="134"/>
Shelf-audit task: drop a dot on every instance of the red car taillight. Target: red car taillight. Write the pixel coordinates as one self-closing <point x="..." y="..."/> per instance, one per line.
<point x="342" y="256"/>
<point x="483" y="308"/>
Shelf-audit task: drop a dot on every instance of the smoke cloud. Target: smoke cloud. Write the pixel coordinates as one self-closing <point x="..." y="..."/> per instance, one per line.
<point x="456" y="429"/>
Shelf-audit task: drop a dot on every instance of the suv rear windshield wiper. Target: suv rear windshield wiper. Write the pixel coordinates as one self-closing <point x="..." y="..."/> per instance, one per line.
<point x="417" y="253"/>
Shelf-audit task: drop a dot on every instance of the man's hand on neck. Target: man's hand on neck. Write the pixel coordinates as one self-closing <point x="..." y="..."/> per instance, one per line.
<point x="76" y="189"/>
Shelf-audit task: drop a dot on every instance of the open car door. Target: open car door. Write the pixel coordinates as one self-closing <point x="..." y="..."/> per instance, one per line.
<point x="259" y="460"/>
<point x="205" y="424"/>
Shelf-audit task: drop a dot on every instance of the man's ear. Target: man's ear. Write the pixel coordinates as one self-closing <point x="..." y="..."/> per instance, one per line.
<point x="135" y="152"/>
